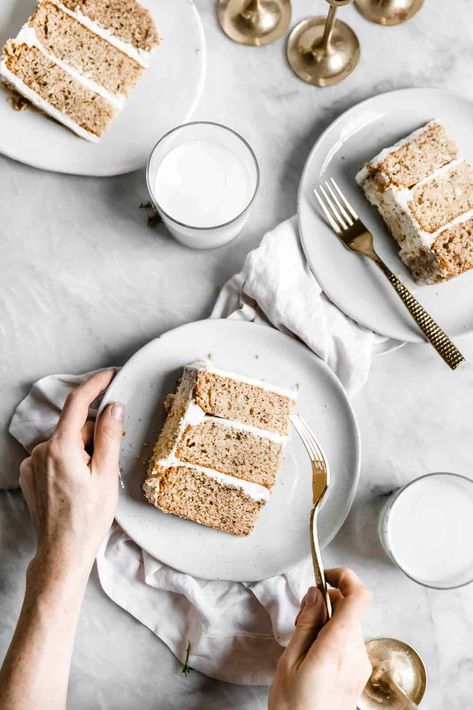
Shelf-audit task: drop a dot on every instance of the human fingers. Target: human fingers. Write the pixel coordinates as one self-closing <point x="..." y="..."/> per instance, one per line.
<point x="353" y="600"/>
<point x="87" y="433"/>
<point x="344" y="579"/>
<point x="26" y="471"/>
<point x="108" y="438"/>
<point x="309" y="621"/>
<point x="76" y="407"/>
<point x="335" y="596"/>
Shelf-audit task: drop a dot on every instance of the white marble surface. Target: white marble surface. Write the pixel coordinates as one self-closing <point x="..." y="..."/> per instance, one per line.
<point x="84" y="283"/>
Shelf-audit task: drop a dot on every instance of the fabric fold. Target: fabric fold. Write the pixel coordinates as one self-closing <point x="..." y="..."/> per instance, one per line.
<point x="237" y="630"/>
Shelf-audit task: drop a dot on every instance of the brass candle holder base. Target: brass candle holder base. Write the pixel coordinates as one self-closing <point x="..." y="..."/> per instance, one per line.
<point x="317" y="61"/>
<point x="254" y="22"/>
<point x="388" y="12"/>
<point x="406" y="669"/>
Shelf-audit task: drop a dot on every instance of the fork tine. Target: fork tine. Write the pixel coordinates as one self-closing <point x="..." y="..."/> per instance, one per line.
<point x="315" y="445"/>
<point x="320" y="456"/>
<point x="344" y="200"/>
<point x="304" y="438"/>
<point x="333" y="208"/>
<point x="342" y="209"/>
<point x="326" y="212"/>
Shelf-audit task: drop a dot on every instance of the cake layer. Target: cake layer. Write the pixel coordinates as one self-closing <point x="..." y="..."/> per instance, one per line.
<point x="231" y="450"/>
<point x="192" y="494"/>
<point x="413" y="158"/>
<point x="453" y="250"/>
<point x="243" y="401"/>
<point x="213" y="468"/>
<point x="125" y="19"/>
<point x="71" y="42"/>
<point x="441" y="198"/>
<point x="46" y="84"/>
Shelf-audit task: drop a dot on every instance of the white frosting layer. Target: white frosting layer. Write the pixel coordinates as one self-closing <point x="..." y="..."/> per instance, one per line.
<point x="43" y="105"/>
<point x="394" y="203"/>
<point x="27" y="35"/>
<point x="374" y="162"/>
<point x="194" y="415"/>
<point x="207" y="367"/>
<point x="262" y="433"/>
<point x="139" y="55"/>
<point x="252" y="490"/>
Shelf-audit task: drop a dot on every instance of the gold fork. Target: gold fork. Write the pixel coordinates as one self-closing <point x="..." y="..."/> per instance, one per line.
<point x="348" y="226"/>
<point x="320" y="484"/>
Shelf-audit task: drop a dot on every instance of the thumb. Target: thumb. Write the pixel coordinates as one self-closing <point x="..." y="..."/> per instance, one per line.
<point x="108" y="437"/>
<point x="309" y="621"/>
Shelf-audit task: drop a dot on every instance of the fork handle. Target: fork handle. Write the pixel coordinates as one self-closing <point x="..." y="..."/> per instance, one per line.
<point x="432" y="331"/>
<point x="319" y="573"/>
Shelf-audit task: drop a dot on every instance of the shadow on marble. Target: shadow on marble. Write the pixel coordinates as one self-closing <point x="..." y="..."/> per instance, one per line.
<point x="358" y="541"/>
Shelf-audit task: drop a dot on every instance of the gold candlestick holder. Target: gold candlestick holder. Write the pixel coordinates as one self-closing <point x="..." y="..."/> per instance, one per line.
<point x="254" y="22"/>
<point x="323" y="50"/>
<point x="406" y="669"/>
<point x="388" y="12"/>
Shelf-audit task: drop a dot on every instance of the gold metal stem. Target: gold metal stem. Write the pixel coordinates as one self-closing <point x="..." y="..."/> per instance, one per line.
<point x="323" y="50"/>
<point x="252" y="9"/>
<point x="328" y="29"/>
<point x="254" y="22"/>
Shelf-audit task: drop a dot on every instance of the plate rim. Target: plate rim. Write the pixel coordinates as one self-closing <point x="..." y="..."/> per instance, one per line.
<point x="355" y="440"/>
<point x="412" y="337"/>
<point x="98" y="171"/>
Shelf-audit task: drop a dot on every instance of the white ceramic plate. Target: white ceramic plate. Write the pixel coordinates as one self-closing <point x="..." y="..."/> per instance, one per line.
<point x="165" y="97"/>
<point x="349" y="280"/>
<point x="280" y="538"/>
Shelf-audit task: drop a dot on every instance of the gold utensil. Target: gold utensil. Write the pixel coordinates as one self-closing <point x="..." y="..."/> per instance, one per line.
<point x="398" y="680"/>
<point x="382" y="681"/>
<point x="320" y="484"/>
<point x="348" y="226"/>
<point x="388" y="12"/>
<point x="322" y="50"/>
<point x="254" y="22"/>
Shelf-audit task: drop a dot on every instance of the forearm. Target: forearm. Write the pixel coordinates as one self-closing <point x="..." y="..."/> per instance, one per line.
<point x="36" y="669"/>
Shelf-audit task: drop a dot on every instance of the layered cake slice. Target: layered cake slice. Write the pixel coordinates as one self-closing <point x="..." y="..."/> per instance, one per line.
<point x="78" y="60"/>
<point x="220" y="448"/>
<point x="423" y="189"/>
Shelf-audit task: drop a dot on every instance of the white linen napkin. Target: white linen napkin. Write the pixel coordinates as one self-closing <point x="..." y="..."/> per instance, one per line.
<point x="236" y="629"/>
<point x="276" y="285"/>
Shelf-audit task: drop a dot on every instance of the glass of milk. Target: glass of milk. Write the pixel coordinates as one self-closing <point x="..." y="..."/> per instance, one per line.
<point x="203" y="178"/>
<point x="426" y="528"/>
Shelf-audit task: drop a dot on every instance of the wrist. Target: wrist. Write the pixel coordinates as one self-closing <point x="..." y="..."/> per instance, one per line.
<point x="55" y="568"/>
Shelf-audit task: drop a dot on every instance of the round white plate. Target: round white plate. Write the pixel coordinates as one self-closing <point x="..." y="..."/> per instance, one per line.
<point x="281" y="535"/>
<point x="164" y="97"/>
<point x="351" y="281"/>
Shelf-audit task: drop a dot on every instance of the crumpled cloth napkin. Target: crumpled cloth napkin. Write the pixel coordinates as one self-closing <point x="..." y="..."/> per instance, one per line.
<point x="237" y="630"/>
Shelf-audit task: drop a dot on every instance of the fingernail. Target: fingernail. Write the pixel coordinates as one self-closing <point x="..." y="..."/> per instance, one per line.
<point x="312" y="596"/>
<point x="118" y="411"/>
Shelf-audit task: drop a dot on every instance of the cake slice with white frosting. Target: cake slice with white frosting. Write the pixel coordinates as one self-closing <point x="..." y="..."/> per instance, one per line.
<point x="78" y="60"/>
<point x="423" y="189"/>
<point x="220" y="448"/>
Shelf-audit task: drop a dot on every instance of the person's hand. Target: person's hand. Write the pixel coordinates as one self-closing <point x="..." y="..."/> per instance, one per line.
<point x="326" y="665"/>
<point x="72" y="496"/>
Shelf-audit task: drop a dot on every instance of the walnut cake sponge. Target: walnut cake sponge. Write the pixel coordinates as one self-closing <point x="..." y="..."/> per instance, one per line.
<point x="78" y="60"/>
<point x="423" y="189"/>
<point x="220" y="448"/>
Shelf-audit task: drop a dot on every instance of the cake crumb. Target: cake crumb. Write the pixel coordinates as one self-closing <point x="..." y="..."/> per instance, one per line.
<point x="154" y="218"/>
<point x="18" y="103"/>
